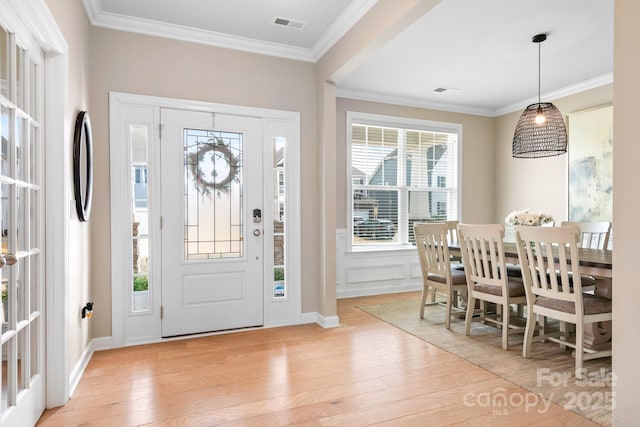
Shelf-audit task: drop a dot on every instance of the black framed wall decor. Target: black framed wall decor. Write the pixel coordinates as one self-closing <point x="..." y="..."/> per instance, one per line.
<point x="83" y="165"/>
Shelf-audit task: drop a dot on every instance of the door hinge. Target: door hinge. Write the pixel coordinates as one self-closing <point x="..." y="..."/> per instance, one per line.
<point x="161" y="222"/>
<point x="160" y="126"/>
<point x="161" y="312"/>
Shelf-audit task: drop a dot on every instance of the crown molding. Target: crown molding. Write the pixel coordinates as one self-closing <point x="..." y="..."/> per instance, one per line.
<point x="194" y="35"/>
<point x="339" y="28"/>
<point x="582" y="86"/>
<point x="98" y="17"/>
<point x="412" y="102"/>
<point x="476" y="111"/>
<point x="93" y="9"/>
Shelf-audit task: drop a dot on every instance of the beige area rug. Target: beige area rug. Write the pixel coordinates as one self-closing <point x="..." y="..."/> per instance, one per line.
<point x="549" y="371"/>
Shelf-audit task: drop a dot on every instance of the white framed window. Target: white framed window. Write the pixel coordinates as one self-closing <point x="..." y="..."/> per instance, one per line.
<point x="400" y="171"/>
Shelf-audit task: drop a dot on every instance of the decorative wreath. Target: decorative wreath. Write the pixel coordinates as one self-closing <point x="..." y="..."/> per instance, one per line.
<point x="214" y="167"/>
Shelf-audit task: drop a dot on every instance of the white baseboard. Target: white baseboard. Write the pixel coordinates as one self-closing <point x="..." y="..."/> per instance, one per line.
<point x="328" y="322"/>
<point x="352" y="292"/>
<point x="308" y="318"/>
<point x="103" y="343"/>
<point x="325" y="322"/>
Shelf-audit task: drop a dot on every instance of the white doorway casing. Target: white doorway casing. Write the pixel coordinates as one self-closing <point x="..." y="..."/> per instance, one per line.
<point x="131" y="328"/>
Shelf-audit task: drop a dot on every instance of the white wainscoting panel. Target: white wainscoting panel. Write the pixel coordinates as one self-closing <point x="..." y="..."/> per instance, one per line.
<point x="375" y="272"/>
<point x="416" y="270"/>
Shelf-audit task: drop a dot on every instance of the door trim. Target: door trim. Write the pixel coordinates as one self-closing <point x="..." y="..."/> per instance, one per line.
<point x="281" y="312"/>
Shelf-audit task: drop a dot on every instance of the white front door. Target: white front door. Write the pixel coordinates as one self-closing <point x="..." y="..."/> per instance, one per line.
<point x="212" y="244"/>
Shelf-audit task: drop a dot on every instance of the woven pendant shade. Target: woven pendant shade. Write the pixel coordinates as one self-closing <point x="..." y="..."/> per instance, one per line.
<point x="540" y="131"/>
<point x="531" y="139"/>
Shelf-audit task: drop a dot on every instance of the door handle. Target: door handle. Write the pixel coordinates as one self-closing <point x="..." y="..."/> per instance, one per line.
<point x="257" y="216"/>
<point x="9" y="259"/>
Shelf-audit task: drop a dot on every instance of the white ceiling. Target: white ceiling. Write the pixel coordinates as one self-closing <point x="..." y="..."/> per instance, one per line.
<point x="237" y="24"/>
<point x="481" y="50"/>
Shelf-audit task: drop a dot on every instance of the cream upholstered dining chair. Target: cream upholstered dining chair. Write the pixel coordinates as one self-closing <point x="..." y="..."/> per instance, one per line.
<point x="437" y="274"/>
<point x="559" y="296"/>
<point x="593" y="235"/>
<point x="483" y="258"/>
<point x="452" y="230"/>
<point x="452" y="237"/>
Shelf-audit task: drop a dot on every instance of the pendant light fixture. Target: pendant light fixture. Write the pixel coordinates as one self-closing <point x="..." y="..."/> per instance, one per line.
<point x="540" y="131"/>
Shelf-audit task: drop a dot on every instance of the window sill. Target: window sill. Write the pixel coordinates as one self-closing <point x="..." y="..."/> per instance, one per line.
<point x="372" y="249"/>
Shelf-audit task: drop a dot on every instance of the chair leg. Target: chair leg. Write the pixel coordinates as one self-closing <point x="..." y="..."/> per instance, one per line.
<point x="467" y="320"/>
<point x="542" y="321"/>
<point x="463" y="298"/>
<point x="447" y="321"/>
<point x="484" y="308"/>
<point x="579" y="349"/>
<point x="563" y="334"/>
<point x="506" y="314"/>
<point x="425" y="290"/>
<point x="528" y="332"/>
<point x="433" y="294"/>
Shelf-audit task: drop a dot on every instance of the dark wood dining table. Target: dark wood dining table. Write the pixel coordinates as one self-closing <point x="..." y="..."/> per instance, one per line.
<point x="597" y="263"/>
<point x="593" y="262"/>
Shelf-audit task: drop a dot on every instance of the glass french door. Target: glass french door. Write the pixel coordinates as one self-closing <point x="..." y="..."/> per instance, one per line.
<point x="21" y="106"/>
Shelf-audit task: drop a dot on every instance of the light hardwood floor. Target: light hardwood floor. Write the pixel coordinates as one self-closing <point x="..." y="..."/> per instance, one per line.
<point x="365" y="372"/>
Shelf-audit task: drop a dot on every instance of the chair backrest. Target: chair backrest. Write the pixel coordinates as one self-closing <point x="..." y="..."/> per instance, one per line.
<point x="433" y="249"/>
<point x="549" y="261"/>
<point x="592" y="234"/>
<point x="483" y="254"/>
<point x="452" y="230"/>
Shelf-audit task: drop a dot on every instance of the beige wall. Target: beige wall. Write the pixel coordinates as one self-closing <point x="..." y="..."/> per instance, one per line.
<point x="73" y="22"/>
<point x="478" y="156"/>
<point x="537" y="184"/>
<point x="626" y="205"/>
<point x="132" y="63"/>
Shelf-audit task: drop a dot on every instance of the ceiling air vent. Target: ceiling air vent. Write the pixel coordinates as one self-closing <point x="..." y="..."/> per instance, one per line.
<point x="446" y="89"/>
<point x="289" y="23"/>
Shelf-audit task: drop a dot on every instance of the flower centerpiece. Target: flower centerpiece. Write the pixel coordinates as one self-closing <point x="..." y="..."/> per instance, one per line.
<point x="525" y="217"/>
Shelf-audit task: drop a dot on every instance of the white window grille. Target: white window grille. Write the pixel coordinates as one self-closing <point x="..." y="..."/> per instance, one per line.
<point x="401" y="171"/>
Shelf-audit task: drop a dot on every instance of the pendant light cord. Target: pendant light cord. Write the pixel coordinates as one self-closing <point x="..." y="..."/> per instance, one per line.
<point x="539" y="68"/>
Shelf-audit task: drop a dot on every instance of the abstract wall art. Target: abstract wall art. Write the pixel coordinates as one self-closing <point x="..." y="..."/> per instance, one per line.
<point x="590" y="164"/>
